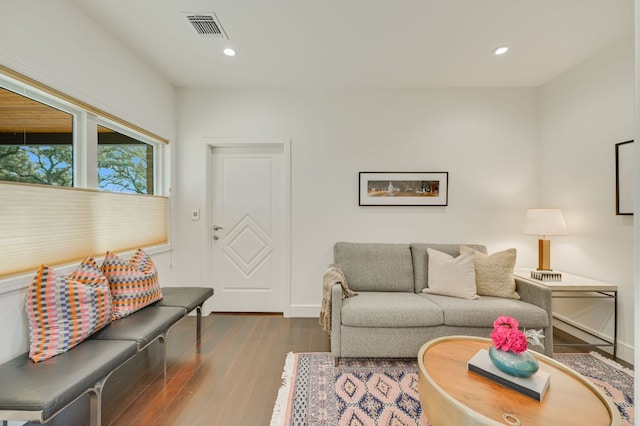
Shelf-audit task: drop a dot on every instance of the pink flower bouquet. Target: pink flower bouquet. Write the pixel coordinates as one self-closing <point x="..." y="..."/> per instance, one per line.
<point x="507" y="337"/>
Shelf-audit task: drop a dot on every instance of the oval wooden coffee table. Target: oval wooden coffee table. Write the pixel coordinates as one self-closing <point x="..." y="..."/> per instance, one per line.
<point x="452" y="395"/>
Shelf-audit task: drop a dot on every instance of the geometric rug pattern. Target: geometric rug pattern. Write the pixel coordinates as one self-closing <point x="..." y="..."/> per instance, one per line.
<point x="615" y="380"/>
<point x="377" y="395"/>
<point x="384" y="392"/>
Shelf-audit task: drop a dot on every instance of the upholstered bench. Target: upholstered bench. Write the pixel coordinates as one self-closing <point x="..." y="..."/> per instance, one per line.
<point x="144" y="327"/>
<point x="37" y="392"/>
<point x="189" y="298"/>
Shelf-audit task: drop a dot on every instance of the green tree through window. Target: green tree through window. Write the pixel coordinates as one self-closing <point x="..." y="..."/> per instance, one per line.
<point x="44" y="164"/>
<point x="124" y="163"/>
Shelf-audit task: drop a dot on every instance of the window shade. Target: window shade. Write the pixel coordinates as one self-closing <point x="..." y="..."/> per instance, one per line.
<point x="54" y="225"/>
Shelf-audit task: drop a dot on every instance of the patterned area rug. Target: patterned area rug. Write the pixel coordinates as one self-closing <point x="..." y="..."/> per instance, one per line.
<point x="383" y="392"/>
<point x="615" y="380"/>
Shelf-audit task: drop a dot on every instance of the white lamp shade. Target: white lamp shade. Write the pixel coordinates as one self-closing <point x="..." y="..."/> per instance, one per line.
<point x="544" y="222"/>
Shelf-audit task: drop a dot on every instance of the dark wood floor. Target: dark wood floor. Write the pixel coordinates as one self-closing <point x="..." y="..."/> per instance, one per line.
<point x="231" y="377"/>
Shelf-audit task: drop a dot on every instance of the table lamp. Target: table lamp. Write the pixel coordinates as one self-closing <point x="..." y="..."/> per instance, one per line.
<point x="544" y="222"/>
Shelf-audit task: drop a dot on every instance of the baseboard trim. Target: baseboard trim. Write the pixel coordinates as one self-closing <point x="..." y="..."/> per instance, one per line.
<point x="304" y="311"/>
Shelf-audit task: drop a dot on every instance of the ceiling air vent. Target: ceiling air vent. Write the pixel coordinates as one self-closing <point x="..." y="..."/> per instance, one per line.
<point x="206" y="25"/>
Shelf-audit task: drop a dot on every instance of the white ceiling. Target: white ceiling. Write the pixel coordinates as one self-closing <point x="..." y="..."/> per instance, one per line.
<point x="365" y="43"/>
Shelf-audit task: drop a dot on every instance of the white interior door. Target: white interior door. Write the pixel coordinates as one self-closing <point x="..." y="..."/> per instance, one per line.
<point x="247" y="227"/>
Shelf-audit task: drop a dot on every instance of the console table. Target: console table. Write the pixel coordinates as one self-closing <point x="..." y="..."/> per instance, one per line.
<point x="576" y="287"/>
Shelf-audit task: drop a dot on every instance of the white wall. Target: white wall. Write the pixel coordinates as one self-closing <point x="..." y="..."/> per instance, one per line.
<point x="482" y="137"/>
<point x="636" y="243"/>
<point x="583" y="114"/>
<point x="54" y="43"/>
<point x="487" y="139"/>
<point x="506" y="150"/>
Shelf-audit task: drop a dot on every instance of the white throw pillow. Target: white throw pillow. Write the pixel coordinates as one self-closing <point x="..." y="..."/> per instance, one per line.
<point x="451" y="276"/>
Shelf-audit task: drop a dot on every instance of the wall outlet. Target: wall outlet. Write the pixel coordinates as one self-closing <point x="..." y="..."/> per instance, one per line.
<point x="195" y="214"/>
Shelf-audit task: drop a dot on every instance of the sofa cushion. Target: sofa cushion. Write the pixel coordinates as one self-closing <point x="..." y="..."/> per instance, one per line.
<point x="451" y="276"/>
<point x="134" y="284"/>
<point x="65" y="310"/>
<point x="420" y="259"/>
<point x="390" y="309"/>
<point x="484" y="311"/>
<point x="375" y="267"/>
<point x="494" y="273"/>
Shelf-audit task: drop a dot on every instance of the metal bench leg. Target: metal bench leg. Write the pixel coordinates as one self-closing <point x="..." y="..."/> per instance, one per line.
<point x="95" y="403"/>
<point x="163" y="348"/>
<point x="198" y="322"/>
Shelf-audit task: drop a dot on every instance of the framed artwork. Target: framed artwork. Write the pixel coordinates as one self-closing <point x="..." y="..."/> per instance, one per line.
<point x="625" y="175"/>
<point x="403" y="188"/>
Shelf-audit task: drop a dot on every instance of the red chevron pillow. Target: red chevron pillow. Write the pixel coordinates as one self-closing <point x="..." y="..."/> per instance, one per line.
<point x="64" y="310"/>
<point x="134" y="284"/>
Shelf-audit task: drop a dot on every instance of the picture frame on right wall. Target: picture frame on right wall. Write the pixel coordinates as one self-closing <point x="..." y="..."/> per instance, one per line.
<point x="625" y="173"/>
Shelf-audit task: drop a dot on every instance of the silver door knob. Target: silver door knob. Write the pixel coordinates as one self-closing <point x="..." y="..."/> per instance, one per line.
<point x="217" y="228"/>
<point x="215" y="237"/>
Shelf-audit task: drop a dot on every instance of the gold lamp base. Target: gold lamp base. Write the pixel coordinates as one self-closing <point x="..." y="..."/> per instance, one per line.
<point x="544" y="255"/>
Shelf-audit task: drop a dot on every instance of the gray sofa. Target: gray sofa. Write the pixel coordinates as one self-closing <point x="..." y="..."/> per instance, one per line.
<point x="392" y="318"/>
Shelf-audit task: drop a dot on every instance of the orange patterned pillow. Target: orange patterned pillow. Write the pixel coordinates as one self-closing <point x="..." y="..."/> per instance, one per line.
<point x="64" y="310"/>
<point x="134" y="284"/>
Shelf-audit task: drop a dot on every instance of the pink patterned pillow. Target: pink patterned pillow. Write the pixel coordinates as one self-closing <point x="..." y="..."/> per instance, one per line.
<point x="134" y="284"/>
<point x="64" y="310"/>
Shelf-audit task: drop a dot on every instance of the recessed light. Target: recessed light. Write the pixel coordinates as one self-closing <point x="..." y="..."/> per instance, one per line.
<point x="229" y="52"/>
<point x="501" y="50"/>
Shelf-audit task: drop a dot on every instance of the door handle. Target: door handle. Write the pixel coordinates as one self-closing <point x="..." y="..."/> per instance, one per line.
<point x="216" y="228"/>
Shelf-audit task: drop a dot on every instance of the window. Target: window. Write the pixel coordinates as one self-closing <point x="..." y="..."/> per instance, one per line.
<point x="100" y="183"/>
<point x="36" y="141"/>
<point x="125" y="164"/>
<point x="52" y="139"/>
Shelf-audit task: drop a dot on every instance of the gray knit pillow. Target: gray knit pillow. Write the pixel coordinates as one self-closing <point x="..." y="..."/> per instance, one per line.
<point x="494" y="273"/>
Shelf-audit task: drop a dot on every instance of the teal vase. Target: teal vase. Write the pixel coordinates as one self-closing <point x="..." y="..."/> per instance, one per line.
<point x="520" y="365"/>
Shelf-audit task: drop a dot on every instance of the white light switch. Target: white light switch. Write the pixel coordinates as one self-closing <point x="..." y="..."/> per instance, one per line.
<point x="195" y="214"/>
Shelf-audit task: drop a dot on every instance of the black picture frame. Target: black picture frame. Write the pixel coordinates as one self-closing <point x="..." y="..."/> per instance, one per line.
<point x="625" y="178"/>
<point x="403" y="188"/>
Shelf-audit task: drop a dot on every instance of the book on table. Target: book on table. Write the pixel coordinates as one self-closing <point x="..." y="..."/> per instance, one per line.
<point x="534" y="386"/>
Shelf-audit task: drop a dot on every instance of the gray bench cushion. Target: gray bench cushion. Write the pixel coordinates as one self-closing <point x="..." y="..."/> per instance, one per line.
<point x="375" y="267"/>
<point x="142" y="326"/>
<point x="484" y="311"/>
<point x="50" y="385"/>
<point x="390" y="309"/>
<point x="421" y="259"/>
<point x="186" y="297"/>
